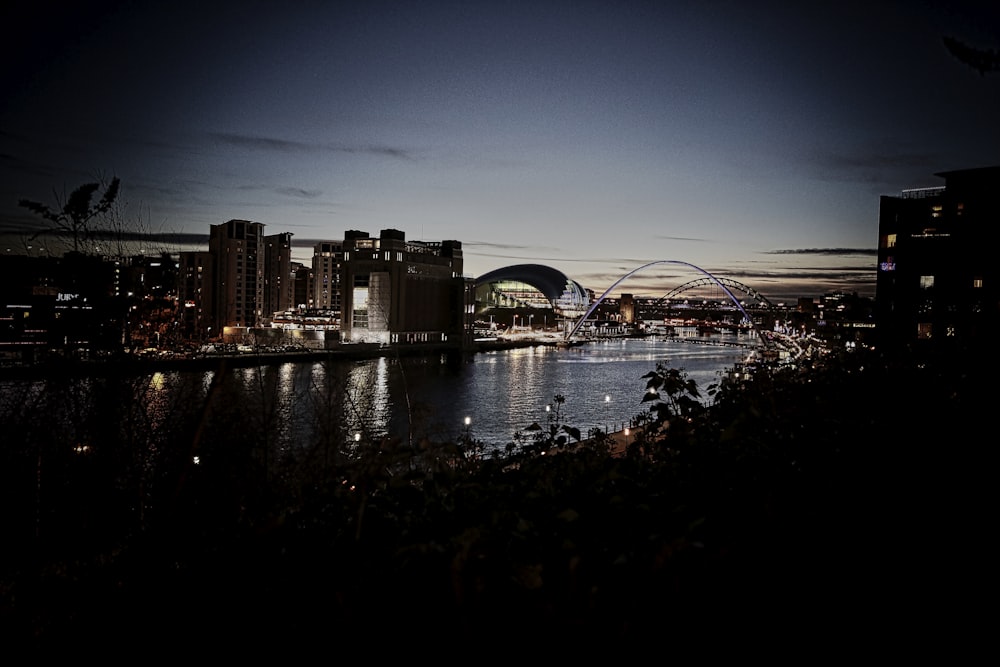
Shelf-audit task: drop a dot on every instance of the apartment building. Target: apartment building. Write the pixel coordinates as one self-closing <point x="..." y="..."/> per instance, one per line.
<point x="937" y="282"/>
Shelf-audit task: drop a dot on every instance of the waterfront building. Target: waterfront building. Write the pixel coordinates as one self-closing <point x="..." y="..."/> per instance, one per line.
<point x="937" y="282"/>
<point x="326" y="266"/>
<point x="399" y="291"/>
<point x="519" y="290"/>
<point x="279" y="276"/>
<point x="195" y="294"/>
<point x="237" y="253"/>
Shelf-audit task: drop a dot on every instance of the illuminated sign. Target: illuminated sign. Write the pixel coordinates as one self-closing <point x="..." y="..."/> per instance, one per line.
<point x="888" y="265"/>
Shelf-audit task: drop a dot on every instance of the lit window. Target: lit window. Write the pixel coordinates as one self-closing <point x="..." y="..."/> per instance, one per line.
<point x="924" y="331"/>
<point x="926" y="282"/>
<point x="977" y="283"/>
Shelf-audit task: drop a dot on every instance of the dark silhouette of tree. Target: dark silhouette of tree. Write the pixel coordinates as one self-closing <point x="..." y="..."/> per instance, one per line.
<point x="981" y="60"/>
<point x="74" y="217"/>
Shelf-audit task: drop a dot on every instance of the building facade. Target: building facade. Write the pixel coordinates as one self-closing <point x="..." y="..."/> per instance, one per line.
<point x="196" y="294"/>
<point x="237" y="249"/>
<point x="937" y="282"/>
<point x="279" y="276"/>
<point x="326" y="264"/>
<point x="399" y="291"/>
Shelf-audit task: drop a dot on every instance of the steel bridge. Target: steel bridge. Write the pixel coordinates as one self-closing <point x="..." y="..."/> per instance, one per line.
<point x="714" y="282"/>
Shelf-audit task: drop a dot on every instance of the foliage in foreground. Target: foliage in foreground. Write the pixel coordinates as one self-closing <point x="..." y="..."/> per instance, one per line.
<point x="799" y="487"/>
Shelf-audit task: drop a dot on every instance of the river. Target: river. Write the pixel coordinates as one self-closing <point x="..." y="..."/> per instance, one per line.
<point x="490" y="396"/>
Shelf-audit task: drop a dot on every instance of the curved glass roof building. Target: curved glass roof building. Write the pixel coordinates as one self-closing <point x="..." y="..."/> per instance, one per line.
<point x="531" y="286"/>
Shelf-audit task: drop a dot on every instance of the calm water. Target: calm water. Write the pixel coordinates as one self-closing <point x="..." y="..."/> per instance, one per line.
<point x="296" y="404"/>
<point x="504" y="392"/>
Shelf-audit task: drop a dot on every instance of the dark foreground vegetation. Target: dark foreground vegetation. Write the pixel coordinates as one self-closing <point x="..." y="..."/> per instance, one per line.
<point x="849" y="501"/>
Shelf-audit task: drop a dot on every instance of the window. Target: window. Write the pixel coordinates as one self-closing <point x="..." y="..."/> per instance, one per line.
<point x="977" y="282"/>
<point x="924" y="331"/>
<point x="926" y="282"/>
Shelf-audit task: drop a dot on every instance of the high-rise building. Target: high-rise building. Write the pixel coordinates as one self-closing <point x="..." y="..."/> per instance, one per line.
<point x="399" y="291"/>
<point x="326" y="293"/>
<point x="237" y="249"/>
<point x="196" y="294"/>
<point x="279" y="276"/>
<point x="937" y="282"/>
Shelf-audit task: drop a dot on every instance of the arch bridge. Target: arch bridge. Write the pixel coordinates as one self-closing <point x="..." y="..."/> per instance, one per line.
<point x="708" y="279"/>
<point x="759" y="301"/>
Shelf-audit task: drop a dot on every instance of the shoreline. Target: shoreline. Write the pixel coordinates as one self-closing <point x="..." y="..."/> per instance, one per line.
<point x="136" y="365"/>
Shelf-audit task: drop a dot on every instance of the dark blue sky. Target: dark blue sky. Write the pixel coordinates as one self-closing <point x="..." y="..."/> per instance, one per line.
<point x="750" y="139"/>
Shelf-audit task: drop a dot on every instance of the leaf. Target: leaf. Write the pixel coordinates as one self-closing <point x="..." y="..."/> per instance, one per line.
<point x="78" y="205"/>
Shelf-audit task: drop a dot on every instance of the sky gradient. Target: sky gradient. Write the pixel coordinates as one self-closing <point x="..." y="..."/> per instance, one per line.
<point x="750" y="139"/>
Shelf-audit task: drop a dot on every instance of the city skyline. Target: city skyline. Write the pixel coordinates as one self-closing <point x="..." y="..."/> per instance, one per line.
<point x="753" y="142"/>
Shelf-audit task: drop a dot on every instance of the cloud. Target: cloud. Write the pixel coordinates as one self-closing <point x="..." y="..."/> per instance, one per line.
<point x="883" y="168"/>
<point x="299" y="192"/>
<point x="682" y="238"/>
<point x="271" y="144"/>
<point x="876" y="161"/>
<point x="824" y="251"/>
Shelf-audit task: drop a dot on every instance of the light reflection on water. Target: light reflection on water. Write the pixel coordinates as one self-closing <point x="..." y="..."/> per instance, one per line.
<point x="299" y="405"/>
<point x="505" y="391"/>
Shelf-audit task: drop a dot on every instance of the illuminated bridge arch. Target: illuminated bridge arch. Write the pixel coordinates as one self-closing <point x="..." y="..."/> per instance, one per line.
<point x="562" y="294"/>
<point x="708" y="276"/>
<point x="759" y="300"/>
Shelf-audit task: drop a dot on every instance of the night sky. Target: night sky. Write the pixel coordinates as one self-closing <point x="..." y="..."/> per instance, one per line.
<point x="750" y="139"/>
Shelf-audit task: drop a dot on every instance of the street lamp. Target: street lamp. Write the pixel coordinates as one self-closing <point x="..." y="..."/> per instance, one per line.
<point x="530" y="318"/>
<point x="468" y="422"/>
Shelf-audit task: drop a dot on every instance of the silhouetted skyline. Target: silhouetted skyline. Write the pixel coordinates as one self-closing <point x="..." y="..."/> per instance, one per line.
<point x="752" y="140"/>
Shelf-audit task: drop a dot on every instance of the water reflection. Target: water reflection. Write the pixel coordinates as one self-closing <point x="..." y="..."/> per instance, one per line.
<point x="299" y="405"/>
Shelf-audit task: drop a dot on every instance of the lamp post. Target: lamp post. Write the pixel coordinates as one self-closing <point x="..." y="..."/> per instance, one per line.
<point x="530" y="318"/>
<point x="468" y="422"/>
